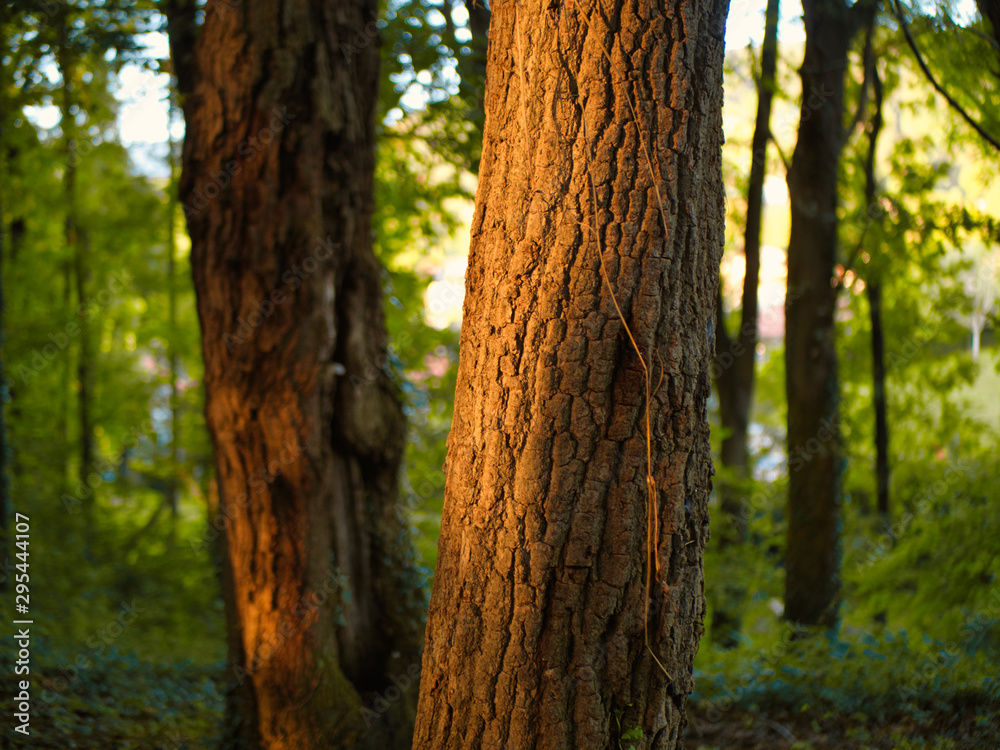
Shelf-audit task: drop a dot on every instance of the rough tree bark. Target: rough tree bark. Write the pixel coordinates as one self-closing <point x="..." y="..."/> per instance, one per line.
<point x="535" y="636"/>
<point x="323" y="603"/>
<point x="735" y="356"/>
<point x="812" y="552"/>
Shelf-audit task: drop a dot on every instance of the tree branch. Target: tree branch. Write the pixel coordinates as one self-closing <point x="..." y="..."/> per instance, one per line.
<point x="868" y="61"/>
<point x="937" y="86"/>
<point x="781" y="153"/>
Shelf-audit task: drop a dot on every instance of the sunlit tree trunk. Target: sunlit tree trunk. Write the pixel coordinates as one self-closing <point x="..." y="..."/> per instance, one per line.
<point x="536" y="634"/>
<point x="812" y="553"/>
<point x="323" y="603"/>
<point x="735" y="356"/>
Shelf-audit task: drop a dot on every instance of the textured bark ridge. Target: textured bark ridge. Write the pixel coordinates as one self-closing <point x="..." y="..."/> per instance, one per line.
<point x="324" y="608"/>
<point x="536" y="632"/>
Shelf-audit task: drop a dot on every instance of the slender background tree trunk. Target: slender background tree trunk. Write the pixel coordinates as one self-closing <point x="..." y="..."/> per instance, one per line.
<point x="874" y="293"/>
<point x="736" y="356"/>
<point x="536" y="636"/>
<point x="882" y="474"/>
<point x="322" y="599"/>
<point x="76" y="276"/>
<point x="173" y="361"/>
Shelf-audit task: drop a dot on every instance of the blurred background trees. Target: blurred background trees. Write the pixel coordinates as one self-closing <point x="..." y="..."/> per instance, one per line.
<point x="105" y="444"/>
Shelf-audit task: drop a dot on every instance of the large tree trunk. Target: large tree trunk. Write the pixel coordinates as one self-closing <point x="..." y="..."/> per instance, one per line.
<point x="537" y="629"/>
<point x="323" y="603"/>
<point x="735" y="356"/>
<point x="812" y="554"/>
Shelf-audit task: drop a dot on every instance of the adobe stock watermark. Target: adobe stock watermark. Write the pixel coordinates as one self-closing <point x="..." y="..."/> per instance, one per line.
<point x="257" y="481"/>
<point x="722" y="361"/>
<point x="973" y="627"/>
<point x="97" y="644"/>
<point x="765" y="494"/>
<point x="247" y="150"/>
<point x="729" y="698"/>
<point x="364" y="36"/>
<point x="401" y="684"/>
<point x="101" y="466"/>
<point x="223" y="6"/>
<point x="814" y="446"/>
<point x="290" y="625"/>
<point x="816" y="99"/>
<point x="874" y="549"/>
<point x="432" y="486"/>
<point x="85" y="146"/>
<point x="291" y="280"/>
<point x="44" y="356"/>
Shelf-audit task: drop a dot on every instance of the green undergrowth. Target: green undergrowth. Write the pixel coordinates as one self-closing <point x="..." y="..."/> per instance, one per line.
<point x="857" y="690"/>
<point x="854" y="673"/>
<point x="118" y="700"/>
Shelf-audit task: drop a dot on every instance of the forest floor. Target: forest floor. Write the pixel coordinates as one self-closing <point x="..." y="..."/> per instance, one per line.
<point x="973" y="725"/>
<point x="122" y="702"/>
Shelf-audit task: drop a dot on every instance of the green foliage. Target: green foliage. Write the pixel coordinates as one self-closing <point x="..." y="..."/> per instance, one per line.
<point x="920" y="635"/>
<point x="427" y="139"/>
<point x="882" y="674"/>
